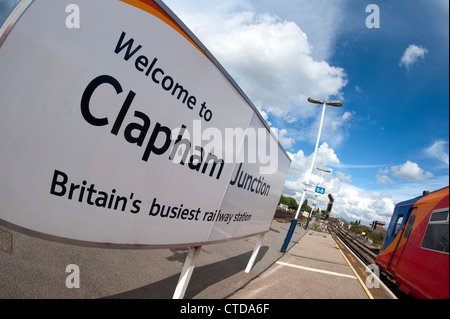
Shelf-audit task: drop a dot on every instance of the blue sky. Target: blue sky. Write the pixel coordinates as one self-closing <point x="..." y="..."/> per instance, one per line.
<point x="390" y="140"/>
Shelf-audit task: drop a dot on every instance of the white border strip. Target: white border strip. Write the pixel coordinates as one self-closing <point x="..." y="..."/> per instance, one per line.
<point x="316" y="270"/>
<point x="12" y="19"/>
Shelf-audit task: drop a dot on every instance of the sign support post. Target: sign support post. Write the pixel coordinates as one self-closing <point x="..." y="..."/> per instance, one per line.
<point x="255" y="253"/>
<point x="186" y="273"/>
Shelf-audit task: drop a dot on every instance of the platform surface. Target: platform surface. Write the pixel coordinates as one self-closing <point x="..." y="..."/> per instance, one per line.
<point x="314" y="268"/>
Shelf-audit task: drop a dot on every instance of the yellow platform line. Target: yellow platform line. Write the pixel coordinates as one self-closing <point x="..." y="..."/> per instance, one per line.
<point x="354" y="271"/>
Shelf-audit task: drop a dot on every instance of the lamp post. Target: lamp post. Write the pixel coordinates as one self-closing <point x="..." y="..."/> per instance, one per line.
<point x="294" y="221"/>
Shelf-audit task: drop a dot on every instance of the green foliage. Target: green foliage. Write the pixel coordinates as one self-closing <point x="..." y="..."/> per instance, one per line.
<point x="289" y="201"/>
<point x="305" y="206"/>
<point x="292" y="204"/>
<point x="357" y="228"/>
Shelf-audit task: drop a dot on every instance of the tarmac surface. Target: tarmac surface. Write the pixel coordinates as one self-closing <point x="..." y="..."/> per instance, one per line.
<point x="312" y="267"/>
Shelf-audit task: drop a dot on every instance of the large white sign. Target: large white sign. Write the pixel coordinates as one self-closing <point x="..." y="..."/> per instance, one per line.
<point x="117" y="129"/>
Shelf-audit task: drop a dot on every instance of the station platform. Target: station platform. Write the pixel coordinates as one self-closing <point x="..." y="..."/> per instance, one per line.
<point x="314" y="268"/>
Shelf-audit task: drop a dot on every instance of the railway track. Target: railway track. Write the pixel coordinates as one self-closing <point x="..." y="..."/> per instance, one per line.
<point x="367" y="256"/>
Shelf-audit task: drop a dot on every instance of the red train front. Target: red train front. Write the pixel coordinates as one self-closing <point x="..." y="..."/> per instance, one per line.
<point x="416" y="249"/>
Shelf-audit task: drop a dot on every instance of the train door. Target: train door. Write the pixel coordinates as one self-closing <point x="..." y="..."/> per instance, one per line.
<point x="422" y="270"/>
<point x="395" y="229"/>
<point x="403" y="236"/>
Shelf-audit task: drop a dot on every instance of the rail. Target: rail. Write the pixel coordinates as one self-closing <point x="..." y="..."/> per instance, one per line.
<point x="366" y="254"/>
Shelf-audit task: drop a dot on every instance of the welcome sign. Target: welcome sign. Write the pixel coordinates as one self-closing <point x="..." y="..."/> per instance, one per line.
<point x="125" y="132"/>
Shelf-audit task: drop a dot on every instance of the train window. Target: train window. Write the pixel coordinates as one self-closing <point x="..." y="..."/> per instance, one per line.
<point x="398" y="225"/>
<point x="436" y="236"/>
<point x="439" y="216"/>
<point x="410" y="226"/>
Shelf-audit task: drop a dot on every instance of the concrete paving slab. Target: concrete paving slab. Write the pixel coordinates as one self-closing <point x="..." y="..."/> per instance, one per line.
<point x="314" y="268"/>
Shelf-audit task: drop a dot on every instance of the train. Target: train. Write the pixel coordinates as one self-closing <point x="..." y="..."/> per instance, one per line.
<point x="415" y="252"/>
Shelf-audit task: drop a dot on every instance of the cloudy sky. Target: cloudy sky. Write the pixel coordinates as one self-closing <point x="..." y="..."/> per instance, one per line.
<point x="390" y="140"/>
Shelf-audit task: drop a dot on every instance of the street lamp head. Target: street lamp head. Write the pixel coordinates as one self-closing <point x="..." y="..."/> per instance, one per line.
<point x="323" y="170"/>
<point x="314" y="100"/>
<point x="336" y="103"/>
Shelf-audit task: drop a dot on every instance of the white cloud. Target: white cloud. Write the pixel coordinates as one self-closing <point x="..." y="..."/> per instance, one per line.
<point x="301" y="164"/>
<point x="439" y="151"/>
<point x="383" y="179"/>
<point x="412" y="54"/>
<point x="270" y="58"/>
<point x="264" y="115"/>
<point x="357" y="204"/>
<point x="344" y="177"/>
<point x="321" y="20"/>
<point x="287" y="142"/>
<point x="351" y="202"/>
<point x="411" y="172"/>
<point x="354" y="203"/>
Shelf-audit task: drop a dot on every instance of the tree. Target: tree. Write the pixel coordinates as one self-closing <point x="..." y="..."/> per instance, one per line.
<point x="289" y="201"/>
<point x="292" y="203"/>
<point x="305" y="206"/>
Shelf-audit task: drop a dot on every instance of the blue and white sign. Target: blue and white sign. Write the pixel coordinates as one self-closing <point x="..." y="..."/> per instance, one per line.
<point x="320" y="190"/>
